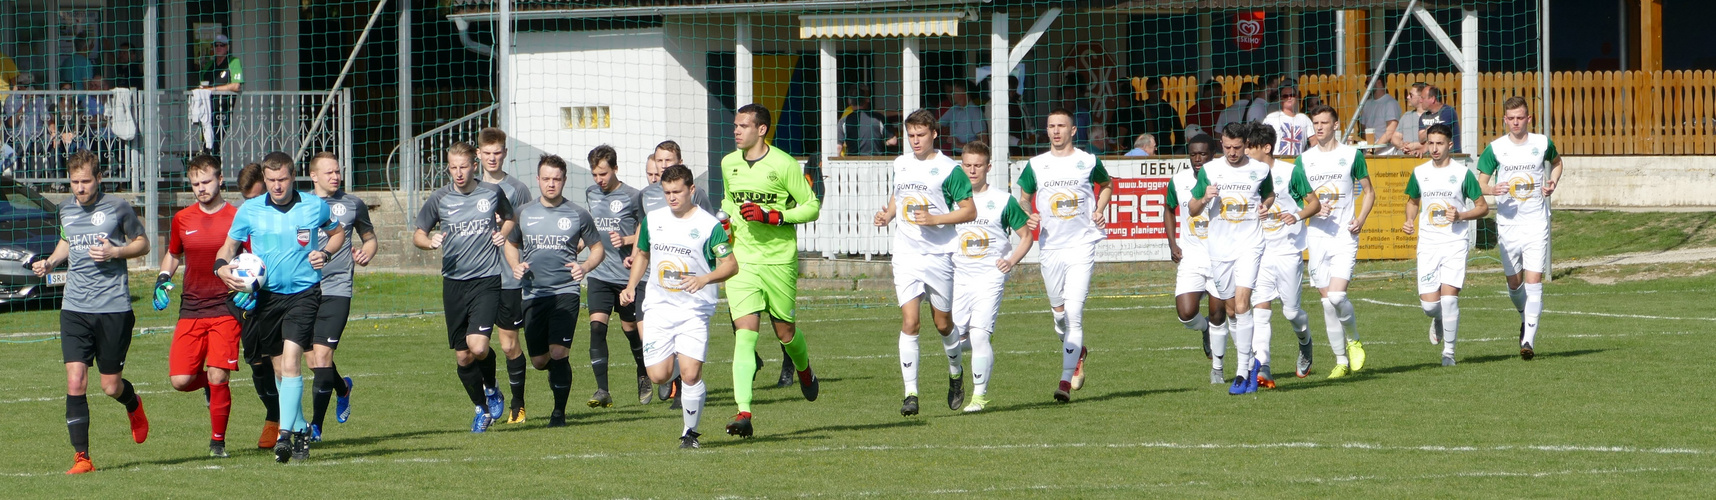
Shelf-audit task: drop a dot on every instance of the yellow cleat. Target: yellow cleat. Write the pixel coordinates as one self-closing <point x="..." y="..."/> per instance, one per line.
<point x="1340" y="371"/>
<point x="516" y="416"/>
<point x="1355" y="350"/>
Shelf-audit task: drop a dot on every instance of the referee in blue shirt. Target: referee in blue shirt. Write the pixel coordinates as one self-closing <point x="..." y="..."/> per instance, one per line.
<point x="294" y="234"/>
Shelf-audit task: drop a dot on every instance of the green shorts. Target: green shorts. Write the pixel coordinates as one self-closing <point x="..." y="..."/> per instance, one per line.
<point x="764" y="287"/>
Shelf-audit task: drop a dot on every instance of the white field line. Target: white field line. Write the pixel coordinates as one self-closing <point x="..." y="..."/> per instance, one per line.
<point x="1547" y="311"/>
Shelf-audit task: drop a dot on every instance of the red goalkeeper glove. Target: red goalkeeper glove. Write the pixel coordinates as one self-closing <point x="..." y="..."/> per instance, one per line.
<point x="754" y="213"/>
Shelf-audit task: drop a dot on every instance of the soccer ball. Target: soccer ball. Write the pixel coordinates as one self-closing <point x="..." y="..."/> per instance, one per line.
<point x="247" y="267"/>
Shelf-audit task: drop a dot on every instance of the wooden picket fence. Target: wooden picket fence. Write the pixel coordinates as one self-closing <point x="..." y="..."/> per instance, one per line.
<point x="1595" y="112"/>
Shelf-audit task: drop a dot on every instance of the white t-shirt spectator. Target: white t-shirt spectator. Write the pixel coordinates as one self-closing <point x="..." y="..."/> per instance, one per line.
<point x="965" y="123"/>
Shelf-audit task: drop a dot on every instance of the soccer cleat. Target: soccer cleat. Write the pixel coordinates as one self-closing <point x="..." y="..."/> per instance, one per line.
<point x="1525" y="353"/>
<point x="1447" y="360"/>
<point x="283" y="447"/>
<point x="300" y="447"/>
<point x="557" y="419"/>
<point x="759" y="366"/>
<point x="343" y="404"/>
<point x="81" y="464"/>
<point x="140" y="422"/>
<point x="644" y="391"/>
<point x="1207" y="353"/>
<point x="741" y="425"/>
<point x="1078" y="370"/>
<point x="1435" y="334"/>
<point x="217" y="448"/>
<point x="808" y="384"/>
<point x="675" y="405"/>
<point x="1216" y="377"/>
<point x="1355" y="352"/>
<point x="668" y="390"/>
<point x="270" y="432"/>
<point x="1063" y="393"/>
<point x="689" y="441"/>
<point x="497" y="403"/>
<point x="515" y="415"/>
<point x="786" y="374"/>
<point x="481" y="422"/>
<point x="1238" y="386"/>
<point x="1340" y="371"/>
<point x="956" y="392"/>
<point x="600" y="399"/>
<point x="1264" y="379"/>
<point x="1302" y="369"/>
<point x="315" y="433"/>
<point x="909" y="406"/>
<point x="977" y="403"/>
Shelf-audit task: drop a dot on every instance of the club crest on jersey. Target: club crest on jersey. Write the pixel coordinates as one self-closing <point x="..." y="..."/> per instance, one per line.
<point x="1081" y="165"/>
<point x="1343" y="162"/>
<point x="935" y="171"/>
<point x="563" y="223"/>
<point x="1254" y="176"/>
<point x="1535" y="151"/>
<point x="1452" y="178"/>
<point x="616" y="206"/>
<point x="773" y="177"/>
<point x="695" y="233"/>
<point x="338" y="210"/>
<point x="991" y="205"/>
<point x="98" y="218"/>
<point x="483" y="205"/>
<point x="303" y="237"/>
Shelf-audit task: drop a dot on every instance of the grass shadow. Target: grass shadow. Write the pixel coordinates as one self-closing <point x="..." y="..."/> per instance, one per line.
<point x="345" y="455"/>
<point x="816" y="433"/>
<point x="343" y="442"/>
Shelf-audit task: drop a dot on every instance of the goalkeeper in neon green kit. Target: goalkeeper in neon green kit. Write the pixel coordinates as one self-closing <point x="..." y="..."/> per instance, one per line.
<point x="768" y="190"/>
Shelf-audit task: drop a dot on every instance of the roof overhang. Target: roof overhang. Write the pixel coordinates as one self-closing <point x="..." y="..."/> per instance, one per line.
<point x="715" y="8"/>
<point x="908" y="24"/>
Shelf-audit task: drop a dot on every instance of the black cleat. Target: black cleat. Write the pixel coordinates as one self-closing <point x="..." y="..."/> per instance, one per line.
<point x="283" y="447"/>
<point x="1526" y="353"/>
<point x="668" y="390"/>
<point x="1063" y="393"/>
<point x="644" y="391"/>
<point x="675" y="405"/>
<point x="741" y="425"/>
<point x="808" y="384"/>
<point x="909" y="407"/>
<point x="557" y="419"/>
<point x="689" y="441"/>
<point x="786" y="375"/>
<point x="301" y="446"/>
<point x="217" y="448"/>
<point x="956" y="392"/>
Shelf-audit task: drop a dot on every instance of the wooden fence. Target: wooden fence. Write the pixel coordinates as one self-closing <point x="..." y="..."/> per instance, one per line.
<point x="1595" y="113"/>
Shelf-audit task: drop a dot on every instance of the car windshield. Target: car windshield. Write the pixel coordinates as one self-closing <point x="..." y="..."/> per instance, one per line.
<point x="20" y="200"/>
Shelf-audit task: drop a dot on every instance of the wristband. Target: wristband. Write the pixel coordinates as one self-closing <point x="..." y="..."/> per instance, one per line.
<point x="219" y="263"/>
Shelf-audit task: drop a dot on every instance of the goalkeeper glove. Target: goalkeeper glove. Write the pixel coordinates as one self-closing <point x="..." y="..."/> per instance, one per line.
<point x="163" y="284"/>
<point x="754" y="213"/>
<point x="244" y="300"/>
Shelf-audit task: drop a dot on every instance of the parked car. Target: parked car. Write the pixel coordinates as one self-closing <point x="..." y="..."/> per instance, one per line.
<point x="29" y="227"/>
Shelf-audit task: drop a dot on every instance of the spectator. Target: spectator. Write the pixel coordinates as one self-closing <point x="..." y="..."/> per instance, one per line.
<point x="1292" y="128"/>
<point x="1206" y="112"/>
<point x="1405" y="136"/>
<point x="1263" y="105"/>
<point x="1380" y="117"/>
<point x="78" y="67"/>
<point x="1160" y="118"/>
<point x="864" y="132"/>
<point x="29" y="125"/>
<point x="965" y="122"/>
<point x="1144" y="145"/>
<point x="1437" y="113"/>
<point x="222" y="73"/>
<point x="127" y="67"/>
<point x="1236" y="112"/>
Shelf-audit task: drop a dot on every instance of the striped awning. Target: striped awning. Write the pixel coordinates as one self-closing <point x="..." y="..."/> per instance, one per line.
<point x="912" y="24"/>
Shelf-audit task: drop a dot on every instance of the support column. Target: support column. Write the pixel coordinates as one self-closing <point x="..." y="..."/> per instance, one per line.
<point x="1378" y="36"/>
<point x="1000" y="98"/>
<point x="503" y="60"/>
<point x="1291" y="42"/>
<point x="1544" y="75"/>
<point x="829" y="114"/>
<point x="151" y="118"/>
<point x="409" y="160"/>
<point x="742" y="76"/>
<point x="1650" y="35"/>
<point x="911" y="86"/>
<point x="1470" y="121"/>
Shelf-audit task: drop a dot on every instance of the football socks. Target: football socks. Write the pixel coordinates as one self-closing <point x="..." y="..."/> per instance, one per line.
<point x="128" y="396"/>
<point x="1450" y="323"/>
<point x="691" y="400"/>
<point x="744" y="367"/>
<point x="982" y="362"/>
<point x="1533" y="311"/>
<point x="515" y="368"/>
<point x="560" y="381"/>
<point x="77" y="422"/>
<point x="292" y="404"/>
<point x="797" y="350"/>
<point x="637" y="349"/>
<point x="599" y="353"/>
<point x="473" y="383"/>
<point x="220" y="410"/>
<point x="950" y="344"/>
<point x="1218" y="343"/>
<point x="1332" y="324"/>
<point x="323" y="387"/>
<point x="1243" y="330"/>
<point x="909" y="362"/>
<point x="1261" y="336"/>
<point x="262" y="377"/>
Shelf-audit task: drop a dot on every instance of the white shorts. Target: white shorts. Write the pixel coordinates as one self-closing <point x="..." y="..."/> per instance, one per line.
<point x="977" y="297"/>
<point x="1441" y="265"/>
<point x="1278" y="277"/>
<point x="1066" y="273"/>
<point x="1232" y="275"/>
<point x="1193" y="276"/>
<point x="1331" y="258"/>
<point x="916" y="275"/>
<point x="1523" y="248"/>
<point x="664" y="337"/>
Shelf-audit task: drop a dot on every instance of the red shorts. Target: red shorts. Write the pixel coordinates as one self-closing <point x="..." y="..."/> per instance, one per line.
<point x="200" y="342"/>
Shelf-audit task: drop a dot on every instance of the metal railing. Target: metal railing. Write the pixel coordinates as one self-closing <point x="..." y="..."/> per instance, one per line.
<point x="428" y="149"/>
<point x="43" y="128"/>
<point x="247" y="125"/>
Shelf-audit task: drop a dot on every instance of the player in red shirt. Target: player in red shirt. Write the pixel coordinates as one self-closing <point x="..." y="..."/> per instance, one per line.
<point x="205" y="343"/>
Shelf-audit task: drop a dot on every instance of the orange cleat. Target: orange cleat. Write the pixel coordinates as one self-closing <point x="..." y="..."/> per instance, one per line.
<point x="81" y="464"/>
<point x="270" y="434"/>
<point x="1265" y="383"/>
<point x="139" y="423"/>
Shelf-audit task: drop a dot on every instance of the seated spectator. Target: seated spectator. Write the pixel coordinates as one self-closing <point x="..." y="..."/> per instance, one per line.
<point x="1405" y="137"/>
<point x="864" y="132"/>
<point x="1435" y="112"/>
<point x="1379" y="117"/>
<point x="964" y="121"/>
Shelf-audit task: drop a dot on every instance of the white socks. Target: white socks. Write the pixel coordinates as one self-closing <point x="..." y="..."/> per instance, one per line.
<point x="1060" y="323"/>
<point x="1197" y="323"/>
<point x="1344" y="313"/>
<point x="1533" y="310"/>
<point x="1261" y="335"/>
<point x="691" y="398"/>
<point x="1242" y="332"/>
<point x="1450" y="322"/>
<point x="1433" y="309"/>
<point x="1072" y="344"/>
<point x="950" y="345"/>
<point x="1337" y="334"/>
<point x="909" y="361"/>
<point x="982" y="360"/>
<point x="1298" y="320"/>
<point x="1218" y="342"/>
<point x="1517" y="295"/>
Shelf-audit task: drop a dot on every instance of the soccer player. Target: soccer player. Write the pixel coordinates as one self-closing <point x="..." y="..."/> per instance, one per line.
<point x="1280" y="272"/>
<point x="353" y="217"/>
<point x="261" y="373"/>
<point x="250" y="181"/>
<point x="470" y="240"/>
<point x="1292" y="128"/>
<point x="617" y="209"/>
<point x="1234" y="191"/>
<point x="98" y="233"/>
<point x="205" y="341"/>
<point x="931" y="194"/>
<point x="1058" y="186"/>
<point x="687" y="247"/>
<point x="548" y="234"/>
<point x="1192" y="273"/>
<point x="294" y="234"/>
<point x="1522" y="169"/>
<point x="1335" y="170"/>
<point x="491" y="151"/>
<point x="1437" y="194"/>
<point x="986" y="256"/>
<point x="767" y="188"/>
<point x="666" y="154"/>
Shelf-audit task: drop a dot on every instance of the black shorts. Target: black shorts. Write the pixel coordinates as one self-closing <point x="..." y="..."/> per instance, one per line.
<point x="278" y="319"/>
<point x="331" y="320"/>
<point x="470" y="306"/>
<point x="100" y="339"/>
<point x="511" y="314"/>
<point x="550" y="321"/>
<point x="605" y="298"/>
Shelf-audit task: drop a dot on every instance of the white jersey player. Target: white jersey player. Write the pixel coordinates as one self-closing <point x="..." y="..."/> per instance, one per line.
<point x="1192" y="274"/>
<point x="1282" y="268"/>
<point x="1233" y="192"/>
<point x="986" y="255"/>
<point x="1438" y="194"/>
<point x="1058" y="186"/>
<point x="930" y="196"/>
<point x="1522" y="169"/>
<point x="1336" y="171"/>
<point x="687" y="252"/>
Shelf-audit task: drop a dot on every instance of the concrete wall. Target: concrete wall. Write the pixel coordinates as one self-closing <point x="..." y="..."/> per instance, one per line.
<point x="1637" y="182"/>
